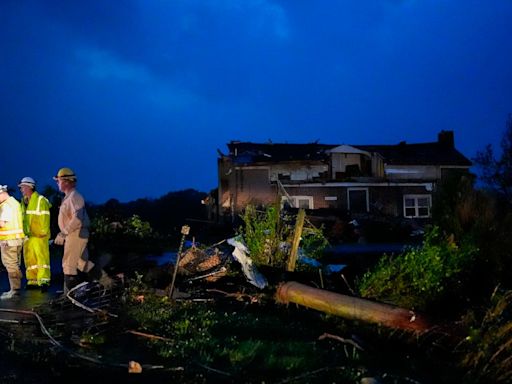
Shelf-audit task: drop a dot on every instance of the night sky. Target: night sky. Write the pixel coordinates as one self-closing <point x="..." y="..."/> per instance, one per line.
<point x="137" y="95"/>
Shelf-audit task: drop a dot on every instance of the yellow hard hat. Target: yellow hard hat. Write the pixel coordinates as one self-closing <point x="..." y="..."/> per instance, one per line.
<point x="65" y="174"/>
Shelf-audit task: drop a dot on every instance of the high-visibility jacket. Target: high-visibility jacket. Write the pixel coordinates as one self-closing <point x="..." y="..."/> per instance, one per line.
<point x="36" y="252"/>
<point x="36" y="216"/>
<point x="10" y="212"/>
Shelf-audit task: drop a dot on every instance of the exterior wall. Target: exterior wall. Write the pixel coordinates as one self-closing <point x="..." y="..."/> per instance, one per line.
<point x="226" y="183"/>
<point x="448" y="172"/>
<point x="377" y="165"/>
<point x="337" y="196"/>
<point x="385" y="200"/>
<point x="389" y="200"/>
<point x="253" y="187"/>
<point x="410" y="172"/>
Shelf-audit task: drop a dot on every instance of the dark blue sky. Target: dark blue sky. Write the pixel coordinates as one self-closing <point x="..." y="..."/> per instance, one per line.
<point x="137" y="95"/>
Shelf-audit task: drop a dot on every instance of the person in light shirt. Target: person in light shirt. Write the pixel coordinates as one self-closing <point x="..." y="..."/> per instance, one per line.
<point x="74" y="234"/>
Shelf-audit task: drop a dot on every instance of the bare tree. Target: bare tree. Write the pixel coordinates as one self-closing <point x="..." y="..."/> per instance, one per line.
<point x="497" y="171"/>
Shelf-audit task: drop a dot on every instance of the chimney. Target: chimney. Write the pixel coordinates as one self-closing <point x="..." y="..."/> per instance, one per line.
<point x="446" y="138"/>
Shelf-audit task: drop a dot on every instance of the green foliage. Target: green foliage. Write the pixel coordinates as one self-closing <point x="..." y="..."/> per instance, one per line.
<point x="421" y="277"/>
<point x="314" y="242"/>
<point x="136" y="227"/>
<point x="487" y="350"/>
<point x="264" y="232"/>
<point x="248" y="343"/>
<point x="268" y="235"/>
<point x="133" y="226"/>
<point x="185" y="326"/>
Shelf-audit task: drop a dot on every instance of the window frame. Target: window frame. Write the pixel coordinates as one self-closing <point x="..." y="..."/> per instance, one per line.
<point x="295" y="200"/>
<point x="417" y="206"/>
<point x="367" y="192"/>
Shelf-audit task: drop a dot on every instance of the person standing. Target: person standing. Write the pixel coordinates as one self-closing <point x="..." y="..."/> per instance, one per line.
<point x="36" y="225"/>
<point x="11" y="241"/>
<point x="74" y="233"/>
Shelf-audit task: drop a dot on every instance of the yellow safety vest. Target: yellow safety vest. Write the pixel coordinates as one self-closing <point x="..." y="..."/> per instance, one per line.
<point x="13" y="228"/>
<point x="36" y="218"/>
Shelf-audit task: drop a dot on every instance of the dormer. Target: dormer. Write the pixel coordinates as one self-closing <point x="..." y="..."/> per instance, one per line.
<point x="348" y="162"/>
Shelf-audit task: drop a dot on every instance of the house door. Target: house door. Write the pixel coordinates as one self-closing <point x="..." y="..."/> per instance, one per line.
<point x="358" y="200"/>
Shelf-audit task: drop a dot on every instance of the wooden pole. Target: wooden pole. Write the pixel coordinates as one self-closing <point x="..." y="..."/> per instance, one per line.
<point x="184" y="232"/>
<point x="299" y="224"/>
<point x="351" y="307"/>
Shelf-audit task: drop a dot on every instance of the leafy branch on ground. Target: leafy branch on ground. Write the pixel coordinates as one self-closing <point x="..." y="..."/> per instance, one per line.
<point x="422" y="276"/>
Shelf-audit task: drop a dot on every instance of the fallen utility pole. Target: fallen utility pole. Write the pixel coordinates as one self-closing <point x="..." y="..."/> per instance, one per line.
<point x="351" y="307"/>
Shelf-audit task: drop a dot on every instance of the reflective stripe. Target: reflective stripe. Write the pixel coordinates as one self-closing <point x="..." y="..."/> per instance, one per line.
<point x="10" y="231"/>
<point x="38" y="266"/>
<point x="38" y="208"/>
<point x="37" y="212"/>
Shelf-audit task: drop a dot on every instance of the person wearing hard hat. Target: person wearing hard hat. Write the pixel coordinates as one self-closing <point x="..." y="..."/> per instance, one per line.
<point x="11" y="241"/>
<point x="74" y="233"/>
<point x="36" y="225"/>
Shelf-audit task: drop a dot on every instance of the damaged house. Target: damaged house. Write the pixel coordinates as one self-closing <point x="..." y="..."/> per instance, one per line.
<point x="393" y="180"/>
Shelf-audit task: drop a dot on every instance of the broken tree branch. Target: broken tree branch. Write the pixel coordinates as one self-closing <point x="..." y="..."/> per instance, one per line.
<point x="341" y="339"/>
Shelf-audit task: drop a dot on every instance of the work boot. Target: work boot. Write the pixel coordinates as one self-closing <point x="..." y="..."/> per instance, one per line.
<point x="70" y="281"/>
<point x="98" y="274"/>
<point x="14" y="280"/>
<point x="12" y="294"/>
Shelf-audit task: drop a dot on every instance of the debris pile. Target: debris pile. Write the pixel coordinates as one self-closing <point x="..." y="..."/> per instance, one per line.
<point x="196" y="261"/>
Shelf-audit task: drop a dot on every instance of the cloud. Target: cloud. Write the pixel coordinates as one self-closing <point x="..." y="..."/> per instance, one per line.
<point x="103" y="65"/>
<point x="263" y="17"/>
<point x="257" y="17"/>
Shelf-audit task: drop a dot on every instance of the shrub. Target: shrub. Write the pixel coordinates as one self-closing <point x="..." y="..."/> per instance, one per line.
<point x="263" y="233"/>
<point x="268" y="236"/>
<point x="421" y="277"/>
<point x="487" y="350"/>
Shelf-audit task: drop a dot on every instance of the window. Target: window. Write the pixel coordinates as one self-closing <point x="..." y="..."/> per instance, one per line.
<point x="417" y="205"/>
<point x="358" y="200"/>
<point x="305" y="202"/>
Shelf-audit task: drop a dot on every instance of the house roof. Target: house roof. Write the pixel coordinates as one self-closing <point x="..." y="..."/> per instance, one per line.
<point x="434" y="153"/>
<point x="348" y="149"/>
<point x="247" y="152"/>
<point x="441" y="152"/>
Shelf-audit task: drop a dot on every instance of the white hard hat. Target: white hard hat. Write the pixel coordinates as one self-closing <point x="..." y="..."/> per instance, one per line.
<point x="3" y="188"/>
<point x="28" y="181"/>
